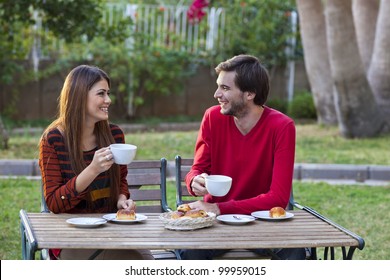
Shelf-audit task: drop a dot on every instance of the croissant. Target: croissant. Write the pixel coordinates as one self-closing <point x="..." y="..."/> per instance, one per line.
<point x="183" y="208"/>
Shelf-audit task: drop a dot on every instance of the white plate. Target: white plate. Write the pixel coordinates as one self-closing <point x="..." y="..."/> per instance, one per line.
<point x="86" y="222"/>
<point x="265" y="215"/>
<point x="112" y="218"/>
<point x="235" y="219"/>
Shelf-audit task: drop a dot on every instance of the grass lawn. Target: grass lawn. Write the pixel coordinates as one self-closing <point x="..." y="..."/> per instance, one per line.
<point x="314" y="144"/>
<point x="358" y="208"/>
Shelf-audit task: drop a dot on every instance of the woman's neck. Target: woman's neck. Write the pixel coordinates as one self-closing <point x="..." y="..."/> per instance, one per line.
<point x="88" y="139"/>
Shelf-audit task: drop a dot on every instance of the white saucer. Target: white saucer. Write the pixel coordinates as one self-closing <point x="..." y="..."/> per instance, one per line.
<point x="86" y="222"/>
<point x="235" y="219"/>
<point x="265" y="216"/>
<point x="112" y="218"/>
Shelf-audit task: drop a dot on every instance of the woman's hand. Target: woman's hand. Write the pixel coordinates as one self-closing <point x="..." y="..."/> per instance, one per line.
<point x="102" y="160"/>
<point x="128" y="204"/>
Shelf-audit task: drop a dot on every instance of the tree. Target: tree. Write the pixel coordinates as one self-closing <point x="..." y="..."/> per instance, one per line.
<point x="358" y="111"/>
<point x="312" y="28"/>
<point x="365" y="14"/>
<point x="257" y="27"/>
<point x="379" y="70"/>
<point x="3" y="135"/>
<point x="66" y="19"/>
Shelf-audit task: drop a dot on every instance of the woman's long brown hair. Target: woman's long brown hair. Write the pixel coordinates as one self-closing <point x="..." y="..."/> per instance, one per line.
<point x="72" y="104"/>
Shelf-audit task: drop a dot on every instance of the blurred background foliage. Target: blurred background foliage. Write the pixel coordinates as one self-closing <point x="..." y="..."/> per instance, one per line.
<point x="76" y="32"/>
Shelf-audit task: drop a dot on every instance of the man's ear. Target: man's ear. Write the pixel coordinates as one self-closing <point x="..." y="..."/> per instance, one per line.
<point x="250" y="95"/>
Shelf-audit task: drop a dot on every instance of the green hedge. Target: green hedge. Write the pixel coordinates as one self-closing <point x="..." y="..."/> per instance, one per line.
<point x="278" y="104"/>
<point x="302" y="106"/>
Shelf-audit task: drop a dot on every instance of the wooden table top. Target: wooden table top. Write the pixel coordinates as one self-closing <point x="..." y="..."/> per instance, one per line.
<point x="303" y="230"/>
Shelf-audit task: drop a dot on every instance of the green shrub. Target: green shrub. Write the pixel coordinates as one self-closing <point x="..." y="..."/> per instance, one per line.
<point x="278" y="104"/>
<point x="302" y="106"/>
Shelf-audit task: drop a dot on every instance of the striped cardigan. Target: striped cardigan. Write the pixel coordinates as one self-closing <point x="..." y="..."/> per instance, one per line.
<point x="59" y="179"/>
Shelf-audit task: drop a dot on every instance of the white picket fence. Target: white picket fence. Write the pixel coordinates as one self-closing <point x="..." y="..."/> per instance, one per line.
<point x="167" y="25"/>
<point x="164" y="26"/>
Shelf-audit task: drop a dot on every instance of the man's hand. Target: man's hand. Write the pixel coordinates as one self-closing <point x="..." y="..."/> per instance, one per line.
<point x="198" y="185"/>
<point x="208" y="207"/>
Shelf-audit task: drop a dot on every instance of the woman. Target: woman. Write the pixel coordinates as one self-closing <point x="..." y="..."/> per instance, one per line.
<point x="77" y="167"/>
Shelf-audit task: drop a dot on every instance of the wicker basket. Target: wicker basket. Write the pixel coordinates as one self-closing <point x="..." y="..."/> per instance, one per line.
<point x="187" y="223"/>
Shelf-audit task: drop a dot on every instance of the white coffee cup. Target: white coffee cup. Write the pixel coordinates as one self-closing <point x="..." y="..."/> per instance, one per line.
<point x="218" y="185"/>
<point x="123" y="153"/>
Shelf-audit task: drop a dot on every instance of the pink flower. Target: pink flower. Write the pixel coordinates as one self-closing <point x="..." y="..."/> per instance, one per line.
<point x="195" y="12"/>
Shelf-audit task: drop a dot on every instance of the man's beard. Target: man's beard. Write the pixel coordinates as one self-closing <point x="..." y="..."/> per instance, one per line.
<point x="237" y="109"/>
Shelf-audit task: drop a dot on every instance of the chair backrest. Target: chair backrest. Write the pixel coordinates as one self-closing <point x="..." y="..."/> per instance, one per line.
<point x="291" y="201"/>
<point x="147" y="185"/>
<point x="183" y="166"/>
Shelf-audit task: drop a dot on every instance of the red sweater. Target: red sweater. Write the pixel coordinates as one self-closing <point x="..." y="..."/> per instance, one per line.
<point x="261" y="163"/>
<point x="59" y="180"/>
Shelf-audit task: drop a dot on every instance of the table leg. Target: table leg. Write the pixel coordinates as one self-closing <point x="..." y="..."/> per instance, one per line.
<point x="29" y="244"/>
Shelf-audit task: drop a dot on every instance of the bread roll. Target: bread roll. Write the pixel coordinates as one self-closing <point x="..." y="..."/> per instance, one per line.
<point x="125" y="214"/>
<point x="196" y="214"/>
<point x="184" y="211"/>
<point x="277" y="212"/>
<point x="183" y="208"/>
<point x="177" y="214"/>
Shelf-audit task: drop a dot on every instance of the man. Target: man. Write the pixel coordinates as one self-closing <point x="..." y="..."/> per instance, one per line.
<point x="248" y="141"/>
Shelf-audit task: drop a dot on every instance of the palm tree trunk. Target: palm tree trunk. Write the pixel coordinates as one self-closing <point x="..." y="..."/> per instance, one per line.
<point x="358" y="113"/>
<point x="379" y="71"/>
<point x="365" y="14"/>
<point x="313" y="35"/>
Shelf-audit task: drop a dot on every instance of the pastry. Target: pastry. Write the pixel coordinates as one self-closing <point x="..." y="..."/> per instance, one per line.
<point x="177" y="214"/>
<point x="277" y="212"/>
<point x="195" y="214"/>
<point x="125" y="214"/>
<point x="183" y="208"/>
<point x="185" y="211"/>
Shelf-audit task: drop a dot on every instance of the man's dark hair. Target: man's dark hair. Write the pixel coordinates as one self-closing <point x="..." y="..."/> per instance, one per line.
<point x="251" y="75"/>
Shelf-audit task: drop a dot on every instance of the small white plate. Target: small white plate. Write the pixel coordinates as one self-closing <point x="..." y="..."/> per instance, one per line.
<point x="86" y="222"/>
<point x="265" y="215"/>
<point x="235" y="219"/>
<point x="112" y="218"/>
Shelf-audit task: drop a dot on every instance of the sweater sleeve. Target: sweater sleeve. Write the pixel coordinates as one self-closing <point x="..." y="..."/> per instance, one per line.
<point x="60" y="197"/>
<point x="202" y="161"/>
